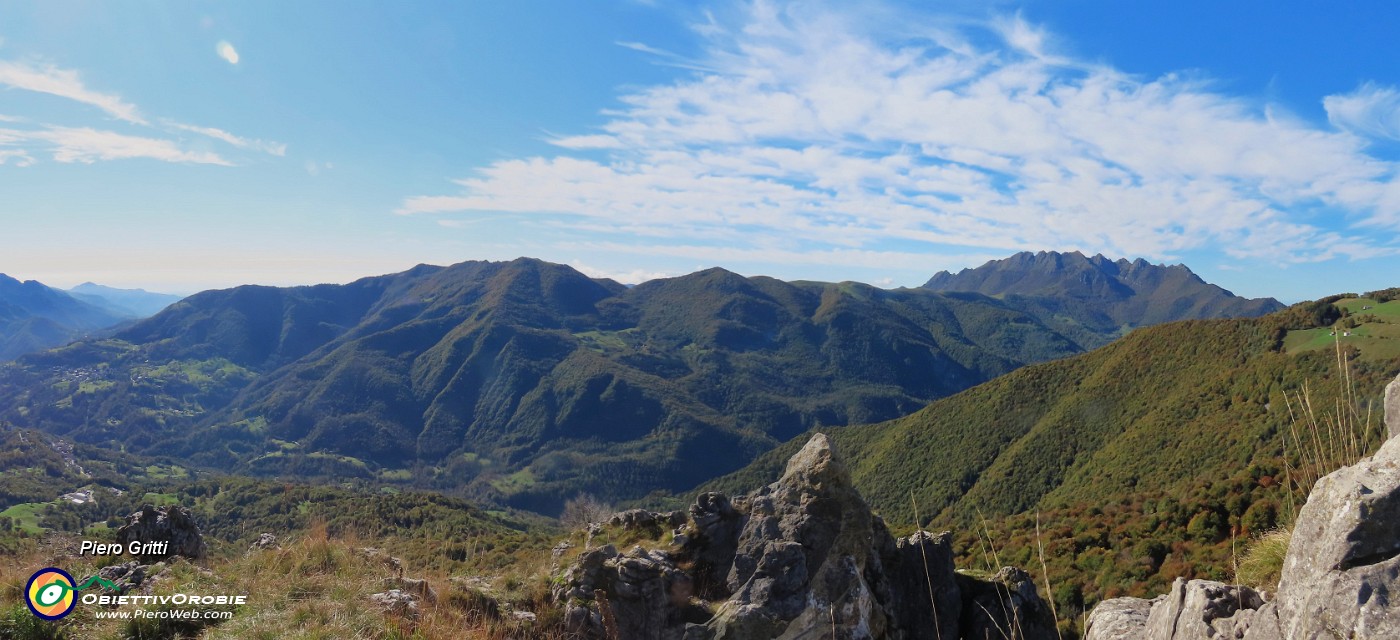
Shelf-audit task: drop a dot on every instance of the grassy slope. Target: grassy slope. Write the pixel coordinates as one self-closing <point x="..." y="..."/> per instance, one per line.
<point x="1141" y="455"/>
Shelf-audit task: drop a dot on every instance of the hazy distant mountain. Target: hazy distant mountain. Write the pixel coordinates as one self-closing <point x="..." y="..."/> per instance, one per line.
<point x="1093" y="299"/>
<point x="35" y="317"/>
<point x="525" y="381"/>
<point x="136" y="303"/>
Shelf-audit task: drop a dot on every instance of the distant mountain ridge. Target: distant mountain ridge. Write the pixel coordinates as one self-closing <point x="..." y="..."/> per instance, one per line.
<point x="525" y="381"/>
<point x="35" y="317"/>
<point x="135" y="303"/>
<point x="1071" y="292"/>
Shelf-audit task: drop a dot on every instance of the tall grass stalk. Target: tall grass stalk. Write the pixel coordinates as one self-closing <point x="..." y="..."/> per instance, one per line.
<point x="1012" y="616"/>
<point x="1045" y="572"/>
<point x="1324" y="441"/>
<point x="932" y="603"/>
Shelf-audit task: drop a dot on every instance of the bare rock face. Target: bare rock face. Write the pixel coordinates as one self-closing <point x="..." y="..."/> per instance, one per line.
<point x="806" y="561"/>
<point x="1203" y="609"/>
<point x="1343" y="564"/>
<point x="1005" y="607"/>
<point x="170" y="525"/>
<point x="801" y="558"/>
<point x="397" y="602"/>
<point x="1392" y="408"/>
<point x="1194" y="610"/>
<point x="1119" y="618"/>
<point x="924" y="576"/>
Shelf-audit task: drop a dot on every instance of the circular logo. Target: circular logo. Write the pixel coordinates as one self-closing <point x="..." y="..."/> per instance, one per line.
<point x="50" y="594"/>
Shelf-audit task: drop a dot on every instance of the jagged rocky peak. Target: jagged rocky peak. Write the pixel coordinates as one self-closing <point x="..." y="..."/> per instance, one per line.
<point x="801" y="557"/>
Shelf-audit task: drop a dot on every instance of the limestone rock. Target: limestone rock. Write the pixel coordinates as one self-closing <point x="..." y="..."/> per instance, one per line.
<point x="396" y="602"/>
<point x="1343" y="563"/>
<point x="264" y="541"/>
<point x="1265" y="624"/>
<point x="1119" y="619"/>
<point x="641" y="519"/>
<point x="801" y="558"/>
<point x="417" y="587"/>
<point x="1005" y="607"/>
<point x="712" y="539"/>
<point x="925" y="574"/>
<point x="1203" y="609"/>
<point x="805" y="564"/>
<point x="647" y="595"/>
<point x="172" y="525"/>
<point x="1392" y="407"/>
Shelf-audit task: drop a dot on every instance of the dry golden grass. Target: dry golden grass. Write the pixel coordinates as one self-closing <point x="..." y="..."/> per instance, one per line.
<point x="314" y="587"/>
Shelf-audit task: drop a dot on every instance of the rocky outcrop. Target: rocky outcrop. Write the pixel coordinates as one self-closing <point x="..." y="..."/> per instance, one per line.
<point x="923" y="575"/>
<point x="1194" y="610"/>
<point x="1341" y="569"/>
<point x="806" y="558"/>
<point x="803" y="557"/>
<point x="397" y="602"/>
<point x="1118" y="618"/>
<point x="163" y="532"/>
<point x="1343" y="563"/>
<point x="1007" y="606"/>
<point x="264" y="541"/>
<point x="1392" y="408"/>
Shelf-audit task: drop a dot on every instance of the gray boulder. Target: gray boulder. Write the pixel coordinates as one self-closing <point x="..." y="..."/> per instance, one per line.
<point x="1119" y="619"/>
<point x="1202" y="609"/>
<point x="173" y="526"/>
<point x="1194" y="610"/>
<point x="397" y="602"/>
<point x="1343" y="563"/>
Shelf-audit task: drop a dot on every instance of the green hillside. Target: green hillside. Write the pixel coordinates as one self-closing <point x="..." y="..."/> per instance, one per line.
<point x="1169" y="436"/>
<point x="524" y="382"/>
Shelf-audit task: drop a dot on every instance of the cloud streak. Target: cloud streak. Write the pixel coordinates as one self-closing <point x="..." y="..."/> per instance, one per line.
<point x="65" y="83"/>
<point x="84" y="144"/>
<point x="273" y="148"/>
<point x="799" y="125"/>
<point x="87" y="145"/>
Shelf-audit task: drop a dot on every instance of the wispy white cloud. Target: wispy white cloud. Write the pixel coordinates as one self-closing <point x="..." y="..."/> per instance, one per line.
<point x="65" y="83"/>
<point x="15" y="157"/>
<point x="86" y="145"/>
<point x="274" y="148"/>
<point x="645" y="48"/>
<point x="227" y="52"/>
<point x="1372" y="110"/>
<point x="848" y="136"/>
<point x="598" y="141"/>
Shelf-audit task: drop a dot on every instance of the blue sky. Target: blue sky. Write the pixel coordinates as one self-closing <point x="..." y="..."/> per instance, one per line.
<point x="183" y="146"/>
